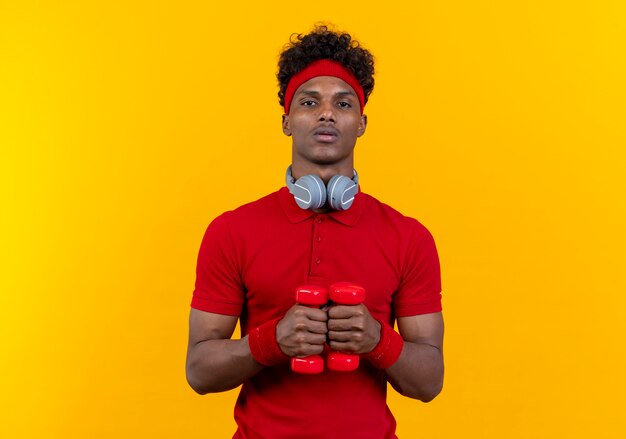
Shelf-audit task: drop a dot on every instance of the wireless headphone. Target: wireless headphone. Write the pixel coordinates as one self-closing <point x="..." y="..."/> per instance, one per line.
<point x="310" y="192"/>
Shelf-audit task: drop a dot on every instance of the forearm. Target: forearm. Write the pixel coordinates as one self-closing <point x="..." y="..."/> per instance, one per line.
<point x="418" y="372"/>
<point x="220" y="364"/>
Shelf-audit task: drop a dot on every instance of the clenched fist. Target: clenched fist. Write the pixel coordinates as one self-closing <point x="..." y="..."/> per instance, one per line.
<point x="352" y="329"/>
<point x="302" y="332"/>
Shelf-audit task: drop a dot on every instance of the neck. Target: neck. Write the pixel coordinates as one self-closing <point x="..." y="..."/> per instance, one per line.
<point x="325" y="172"/>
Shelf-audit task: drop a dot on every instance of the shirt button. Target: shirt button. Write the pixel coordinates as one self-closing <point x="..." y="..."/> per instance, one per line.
<point x="318" y="260"/>
<point x="318" y="239"/>
<point x="319" y="219"/>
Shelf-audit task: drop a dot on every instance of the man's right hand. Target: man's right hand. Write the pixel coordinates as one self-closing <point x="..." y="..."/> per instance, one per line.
<point x="302" y="332"/>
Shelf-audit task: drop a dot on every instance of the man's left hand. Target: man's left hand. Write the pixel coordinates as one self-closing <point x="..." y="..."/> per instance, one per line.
<point x="352" y="329"/>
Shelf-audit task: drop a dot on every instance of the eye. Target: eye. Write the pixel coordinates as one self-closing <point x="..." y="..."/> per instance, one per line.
<point x="344" y="104"/>
<point x="307" y="103"/>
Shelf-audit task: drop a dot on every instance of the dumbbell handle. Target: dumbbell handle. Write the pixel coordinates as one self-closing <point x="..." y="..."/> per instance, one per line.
<point x="314" y="296"/>
<point x="344" y="293"/>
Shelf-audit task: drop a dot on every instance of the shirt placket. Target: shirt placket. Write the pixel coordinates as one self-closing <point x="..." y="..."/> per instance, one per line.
<point x="317" y="264"/>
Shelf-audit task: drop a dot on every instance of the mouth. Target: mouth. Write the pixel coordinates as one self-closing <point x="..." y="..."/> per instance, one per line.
<point x="326" y="134"/>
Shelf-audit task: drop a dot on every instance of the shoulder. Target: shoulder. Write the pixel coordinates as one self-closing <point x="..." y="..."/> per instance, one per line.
<point x="233" y="227"/>
<point x="266" y="206"/>
<point x="384" y="215"/>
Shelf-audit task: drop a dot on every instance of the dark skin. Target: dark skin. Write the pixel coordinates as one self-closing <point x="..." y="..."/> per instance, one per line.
<point x="324" y="121"/>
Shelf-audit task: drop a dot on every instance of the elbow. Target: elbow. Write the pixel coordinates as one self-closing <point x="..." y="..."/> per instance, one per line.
<point x="202" y="387"/>
<point x="196" y="384"/>
<point x="432" y="389"/>
<point x="199" y="380"/>
<point x="427" y="395"/>
<point x="203" y="383"/>
<point x="199" y="390"/>
<point x="424" y="392"/>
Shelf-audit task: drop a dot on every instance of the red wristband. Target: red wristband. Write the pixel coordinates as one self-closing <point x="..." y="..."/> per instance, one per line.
<point x="263" y="344"/>
<point x="388" y="349"/>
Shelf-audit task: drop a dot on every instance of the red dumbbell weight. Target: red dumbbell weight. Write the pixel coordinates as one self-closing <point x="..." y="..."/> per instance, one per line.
<point x="345" y="293"/>
<point x="314" y="296"/>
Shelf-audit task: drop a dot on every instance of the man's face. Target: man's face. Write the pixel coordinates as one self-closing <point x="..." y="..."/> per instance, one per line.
<point x="324" y="120"/>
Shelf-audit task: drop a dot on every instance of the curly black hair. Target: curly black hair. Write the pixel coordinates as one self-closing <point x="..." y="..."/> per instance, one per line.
<point x="323" y="43"/>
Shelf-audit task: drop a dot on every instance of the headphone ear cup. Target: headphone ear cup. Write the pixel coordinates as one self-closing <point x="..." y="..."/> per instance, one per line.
<point x="341" y="192"/>
<point x="309" y="192"/>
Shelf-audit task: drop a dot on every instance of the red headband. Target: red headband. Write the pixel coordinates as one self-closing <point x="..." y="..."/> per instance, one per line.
<point x="323" y="67"/>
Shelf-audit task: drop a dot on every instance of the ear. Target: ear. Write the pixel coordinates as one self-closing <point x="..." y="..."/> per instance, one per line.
<point x="286" y="128"/>
<point x="362" y="124"/>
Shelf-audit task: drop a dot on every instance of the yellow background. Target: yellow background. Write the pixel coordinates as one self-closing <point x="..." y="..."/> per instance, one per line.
<point x="126" y="126"/>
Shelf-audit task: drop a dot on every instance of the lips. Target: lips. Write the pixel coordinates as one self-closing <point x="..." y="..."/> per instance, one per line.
<point x="326" y="134"/>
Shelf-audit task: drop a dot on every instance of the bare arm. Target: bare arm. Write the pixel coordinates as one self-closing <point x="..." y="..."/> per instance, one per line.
<point x="418" y="373"/>
<point x="214" y="362"/>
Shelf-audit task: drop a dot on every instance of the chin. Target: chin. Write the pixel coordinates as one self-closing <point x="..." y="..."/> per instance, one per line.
<point x="323" y="156"/>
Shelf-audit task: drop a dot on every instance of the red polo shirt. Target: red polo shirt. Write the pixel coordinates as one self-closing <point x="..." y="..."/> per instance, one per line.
<point x="252" y="259"/>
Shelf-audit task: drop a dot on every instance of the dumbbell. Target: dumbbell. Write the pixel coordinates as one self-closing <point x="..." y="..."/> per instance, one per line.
<point x="344" y="293"/>
<point x="314" y="296"/>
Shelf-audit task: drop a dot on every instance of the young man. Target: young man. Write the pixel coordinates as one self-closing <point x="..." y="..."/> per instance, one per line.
<point x="317" y="232"/>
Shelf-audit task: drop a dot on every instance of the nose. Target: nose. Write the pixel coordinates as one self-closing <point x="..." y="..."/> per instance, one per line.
<point x="326" y="113"/>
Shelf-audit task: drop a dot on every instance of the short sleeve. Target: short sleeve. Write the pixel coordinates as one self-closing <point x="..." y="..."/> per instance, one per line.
<point x="420" y="287"/>
<point x="218" y="286"/>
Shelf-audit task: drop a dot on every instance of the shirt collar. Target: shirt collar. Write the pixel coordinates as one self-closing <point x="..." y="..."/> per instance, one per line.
<point x="295" y="214"/>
